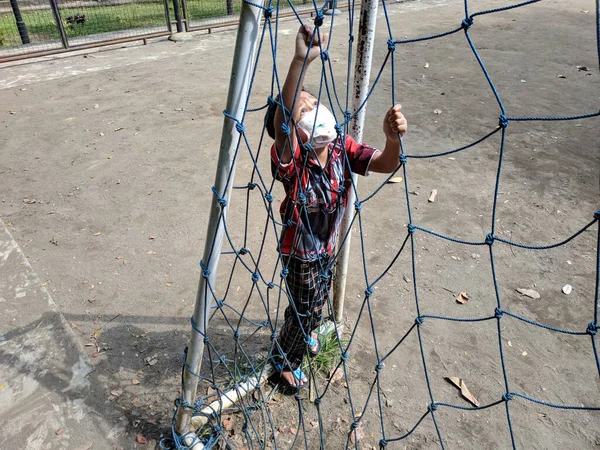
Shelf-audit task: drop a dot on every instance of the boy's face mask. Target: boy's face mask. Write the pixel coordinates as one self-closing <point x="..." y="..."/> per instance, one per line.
<point x="319" y="125"/>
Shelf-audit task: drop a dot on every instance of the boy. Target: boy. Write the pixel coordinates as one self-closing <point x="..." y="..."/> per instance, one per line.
<point x="316" y="179"/>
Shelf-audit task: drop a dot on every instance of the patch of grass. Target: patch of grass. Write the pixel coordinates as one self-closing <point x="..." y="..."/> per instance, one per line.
<point x="329" y="357"/>
<point x="102" y="19"/>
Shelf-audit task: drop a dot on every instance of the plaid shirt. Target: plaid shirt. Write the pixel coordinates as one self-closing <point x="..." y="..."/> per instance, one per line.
<point x="311" y="230"/>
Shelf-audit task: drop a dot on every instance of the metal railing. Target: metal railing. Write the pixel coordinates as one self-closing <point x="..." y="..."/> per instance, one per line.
<point x="39" y="27"/>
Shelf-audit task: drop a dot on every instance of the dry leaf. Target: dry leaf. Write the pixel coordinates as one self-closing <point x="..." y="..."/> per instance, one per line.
<point x="293" y="430"/>
<point x="117" y="392"/>
<point x="168" y="284"/>
<point x="460" y="384"/>
<point x="426" y="66"/>
<point x="582" y="68"/>
<point x="118" y="129"/>
<point x="98" y="233"/>
<point x="357" y="435"/>
<point x="134" y="400"/>
<point x="96" y="333"/>
<point x="151" y="252"/>
<point x="227" y="423"/>
<point x="437" y="111"/>
<point x="529" y="293"/>
<point x="101" y="134"/>
<point x="29" y="201"/>
<point x="524" y="354"/>
<point x="567" y="288"/>
<point x="462" y="298"/>
<point x="136" y="382"/>
<point x="336" y="374"/>
<point x="141" y="439"/>
<point x="395" y="180"/>
<point x="432" y="196"/>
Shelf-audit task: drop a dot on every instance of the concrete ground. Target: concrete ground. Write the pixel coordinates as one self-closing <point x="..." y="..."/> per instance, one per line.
<point x="107" y="159"/>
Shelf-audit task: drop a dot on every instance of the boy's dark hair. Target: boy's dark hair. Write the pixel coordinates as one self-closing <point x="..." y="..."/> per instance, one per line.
<point x="270" y="115"/>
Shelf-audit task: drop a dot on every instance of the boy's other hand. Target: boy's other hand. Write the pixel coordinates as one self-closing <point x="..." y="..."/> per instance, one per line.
<point x="303" y="40"/>
<point x="394" y="123"/>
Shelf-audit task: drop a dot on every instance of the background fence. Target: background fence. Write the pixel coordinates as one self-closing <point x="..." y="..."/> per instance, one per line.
<point x="37" y="27"/>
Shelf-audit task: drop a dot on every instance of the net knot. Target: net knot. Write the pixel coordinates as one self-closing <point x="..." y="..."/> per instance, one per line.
<point x="269" y="197"/>
<point x="324" y="275"/>
<point x="347" y="114"/>
<point x="220" y="303"/>
<point x="597" y="215"/>
<point x="236" y="335"/>
<point x="205" y="339"/>
<point x="378" y="367"/>
<point x="270" y="285"/>
<point x="302" y="198"/>
<point x="498" y="313"/>
<point x="298" y="397"/>
<point x="218" y="429"/>
<point x="308" y="148"/>
<point x="243" y="251"/>
<point x="319" y="20"/>
<point x="391" y="45"/>
<point x="220" y="200"/>
<point x="502" y="121"/>
<point x="432" y="407"/>
<point x="284" y="273"/>
<point x="489" y="239"/>
<point x="251" y="185"/>
<point x="255" y="276"/>
<point x="507" y="396"/>
<point x="403" y="158"/>
<point x="342" y="189"/>
<point x="383" y="443"/>
<point x="265" y="323"/>
<point x="344" y="356"/>
<point x="351" y="38"/>
<point x="205" y="270"/>
<point x="286" y="129"/>
<point x="271" y="101"/>
<point x="411" y="228"/>
<point x="592" y="329"/>
<point x="338" y="129"/>
<point x="358" y="206"/>
<point x="419" y="320"/>
<point x="268" y="13"/>
<point x="467" y="23"/>
<point x="317" y="401"/>
<point x="354" y="426"/>
<point x="324" y="55"/>
<point x="240" y="127"/>
<point x="274" y="335"/>
<point x="369" y="291"/>
<point x="290" y="223"/>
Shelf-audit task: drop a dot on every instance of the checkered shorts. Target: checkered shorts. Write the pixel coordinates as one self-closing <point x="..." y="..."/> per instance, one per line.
<point x="307" y="292"/>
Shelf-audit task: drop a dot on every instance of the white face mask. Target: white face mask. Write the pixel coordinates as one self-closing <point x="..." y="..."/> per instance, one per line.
<point x="320" y="127"/>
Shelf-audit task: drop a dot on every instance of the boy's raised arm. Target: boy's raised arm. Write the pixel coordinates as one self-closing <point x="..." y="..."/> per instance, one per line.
<point x="293" y="83"/>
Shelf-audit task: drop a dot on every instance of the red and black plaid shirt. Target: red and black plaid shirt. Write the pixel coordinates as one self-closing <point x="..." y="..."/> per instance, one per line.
<point x="312" y="229"/>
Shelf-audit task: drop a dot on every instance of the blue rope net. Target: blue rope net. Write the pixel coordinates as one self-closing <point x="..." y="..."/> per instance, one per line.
<point x="254" y="341"/>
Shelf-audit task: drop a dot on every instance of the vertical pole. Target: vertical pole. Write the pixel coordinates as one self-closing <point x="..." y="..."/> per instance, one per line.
<point x="177" y="12"/>
<point x="167" y="16"/>
<point x="362" y="75"/>
<point x="239" y="85"/>
<point x="19" y="21"/>
<point x="186" y="19"/>
<point x="59" y="25"/>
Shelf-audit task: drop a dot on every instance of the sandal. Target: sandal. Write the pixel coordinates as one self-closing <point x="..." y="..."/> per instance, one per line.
<point x="314" y="343"/>
<point x="299" y="375"/>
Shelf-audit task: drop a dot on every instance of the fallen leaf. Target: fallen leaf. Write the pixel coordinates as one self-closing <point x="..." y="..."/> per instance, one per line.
<point x="437" y="111"/>
<point x="168" y="284"/>
<point x="560" y="75"/>
<point x="118" y="129"/>
<point x="462" y="298"/>
<point x="567" y="288"/>
<point x="509" y="344"/>
<point x="151" y="252"/>
<point x="96" y="333"/>
<point x="227" y="423"/>
<point x="96" y="106"/>
<point x="136" y="382"/>
<point x="460" y="384"/>
<point x="151" y="237"/>
<point x="336" y="374"/>
<point x="101" y="134"/>
<point x="98" y="233"/>
<point x="29" y="201"/>
<point x="582" y="68"/>
<point x="432" y="196"/>
<point x="141" y="439"/>
<point x="357" y="435"/>
<point x="529" y="293"/>
<point x="406" y="279"/>
<point x="395" y="180"/>
<point x="119" y="257"/>
<point x="58" y="432"/>
<point x="524" y="354"/>
<point x="426" y="66"/>
<point x="117" y="392"/>
<point x="293" y="430"/>
<point x="109" y="157"/>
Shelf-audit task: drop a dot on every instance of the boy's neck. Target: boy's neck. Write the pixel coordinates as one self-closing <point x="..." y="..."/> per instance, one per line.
<point x="322" y="154"/>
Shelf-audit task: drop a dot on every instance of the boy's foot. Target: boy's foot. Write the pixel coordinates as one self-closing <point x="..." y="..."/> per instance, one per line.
<point x="295" y="378"/>
<point x="314" y="347"/>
